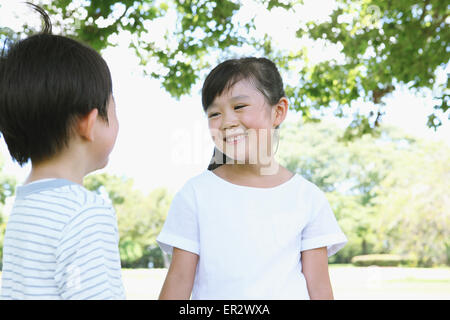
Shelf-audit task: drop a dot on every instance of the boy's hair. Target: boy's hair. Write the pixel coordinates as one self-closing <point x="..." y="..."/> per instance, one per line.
<point x="46" y="82"/>
<point x="262" y="72"/>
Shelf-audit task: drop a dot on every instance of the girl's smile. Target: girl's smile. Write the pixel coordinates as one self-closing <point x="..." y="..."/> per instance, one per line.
<point x="235" y="139"/>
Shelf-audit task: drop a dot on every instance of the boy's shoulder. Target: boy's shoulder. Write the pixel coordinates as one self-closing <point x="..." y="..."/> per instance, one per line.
<point x="63" y="196"/>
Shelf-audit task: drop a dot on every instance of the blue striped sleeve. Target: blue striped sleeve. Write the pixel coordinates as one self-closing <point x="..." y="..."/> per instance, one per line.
<point x="87" y="258"/>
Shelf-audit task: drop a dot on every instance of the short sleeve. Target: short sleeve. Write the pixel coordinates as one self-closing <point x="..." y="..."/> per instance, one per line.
<point x="322" y="230"/>
<point x="87" y="258"/>
<point x="180" y="229"/>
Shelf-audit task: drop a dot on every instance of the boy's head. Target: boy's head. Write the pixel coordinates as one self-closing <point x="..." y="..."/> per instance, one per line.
<point x="47" y="84"/>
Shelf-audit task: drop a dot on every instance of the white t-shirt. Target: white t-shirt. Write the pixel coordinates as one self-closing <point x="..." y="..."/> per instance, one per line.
<point x="249" y="240"/>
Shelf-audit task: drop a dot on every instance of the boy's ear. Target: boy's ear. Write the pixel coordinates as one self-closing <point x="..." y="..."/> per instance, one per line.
<point x="281" y="109"/>
<point x="86" y="125"/>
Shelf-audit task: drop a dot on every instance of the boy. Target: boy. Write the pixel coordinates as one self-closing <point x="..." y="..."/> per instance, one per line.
<point x="57" y="110"/>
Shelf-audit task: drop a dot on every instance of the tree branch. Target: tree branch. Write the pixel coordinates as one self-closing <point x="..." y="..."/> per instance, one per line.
<point x="424" y="10"/>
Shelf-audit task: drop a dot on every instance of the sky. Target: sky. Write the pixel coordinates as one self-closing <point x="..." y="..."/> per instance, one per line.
<point x="162" y="141"/>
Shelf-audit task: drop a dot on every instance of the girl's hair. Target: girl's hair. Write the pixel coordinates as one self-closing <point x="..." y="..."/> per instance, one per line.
<point x="46" y="82"/>
<point x="261" y="72"/>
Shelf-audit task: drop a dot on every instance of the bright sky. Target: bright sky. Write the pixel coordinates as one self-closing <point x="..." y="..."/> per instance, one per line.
<point x="163" y="142"/>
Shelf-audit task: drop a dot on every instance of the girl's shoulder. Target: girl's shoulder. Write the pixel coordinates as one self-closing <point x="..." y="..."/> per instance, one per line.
<point x="198" y="181"/>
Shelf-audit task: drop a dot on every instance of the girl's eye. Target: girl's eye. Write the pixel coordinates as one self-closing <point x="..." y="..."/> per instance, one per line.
<point x="212" y="115"/>
<point x="238" y="107"/>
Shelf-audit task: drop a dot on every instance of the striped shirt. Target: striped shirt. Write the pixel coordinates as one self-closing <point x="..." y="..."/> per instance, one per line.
<point x="61" y="242"/>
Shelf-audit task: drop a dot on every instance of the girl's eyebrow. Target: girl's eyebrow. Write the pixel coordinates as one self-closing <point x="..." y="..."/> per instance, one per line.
<point x="239" y="97"/>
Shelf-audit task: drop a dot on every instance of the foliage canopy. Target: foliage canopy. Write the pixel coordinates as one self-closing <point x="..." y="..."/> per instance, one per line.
<point x="383" y="45"/>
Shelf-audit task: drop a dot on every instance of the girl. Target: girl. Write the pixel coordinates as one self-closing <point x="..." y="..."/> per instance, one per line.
<point x="248" y="228"/>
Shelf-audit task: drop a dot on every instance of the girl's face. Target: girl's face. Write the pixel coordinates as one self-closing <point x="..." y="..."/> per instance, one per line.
<point x="242" y="123"/>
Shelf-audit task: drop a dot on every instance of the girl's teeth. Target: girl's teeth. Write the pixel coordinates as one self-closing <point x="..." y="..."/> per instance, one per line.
<point x="234" y="139"/>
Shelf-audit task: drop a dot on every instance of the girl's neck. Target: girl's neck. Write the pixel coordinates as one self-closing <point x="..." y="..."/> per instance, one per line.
<point x="254" y="175"/>
<point x="250" y="170"/>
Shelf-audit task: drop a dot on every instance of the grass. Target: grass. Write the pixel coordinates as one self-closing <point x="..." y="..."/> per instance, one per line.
<point x="414" y="280"/>
<point x="348" y="282"/>
<point x="390" y="283"/>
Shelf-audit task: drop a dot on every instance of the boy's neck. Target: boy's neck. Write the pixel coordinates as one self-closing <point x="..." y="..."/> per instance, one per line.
<point x="64" y="166"/>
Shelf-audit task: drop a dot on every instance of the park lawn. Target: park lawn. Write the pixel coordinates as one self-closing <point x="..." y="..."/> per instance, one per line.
<point x="391" y="283"/>
<point x="348" y="282"/>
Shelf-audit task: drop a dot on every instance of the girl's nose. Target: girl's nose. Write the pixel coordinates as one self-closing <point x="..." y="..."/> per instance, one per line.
<point x="229" y="121"/>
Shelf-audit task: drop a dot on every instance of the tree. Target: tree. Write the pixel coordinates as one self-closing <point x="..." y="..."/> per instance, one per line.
<point x="385" y="44"/>
<point x="414" y="202"/>
<point x="7" y="187"/>
<point x="389" y="193"/>
<point x="2" y="236"/>
<point x="200" y="26"/>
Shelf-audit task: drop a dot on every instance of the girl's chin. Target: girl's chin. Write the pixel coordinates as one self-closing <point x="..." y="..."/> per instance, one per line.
<point x="245" y="158"/>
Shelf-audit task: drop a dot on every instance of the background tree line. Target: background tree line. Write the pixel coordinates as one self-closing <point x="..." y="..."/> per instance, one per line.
<point x="389" y="193"/>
